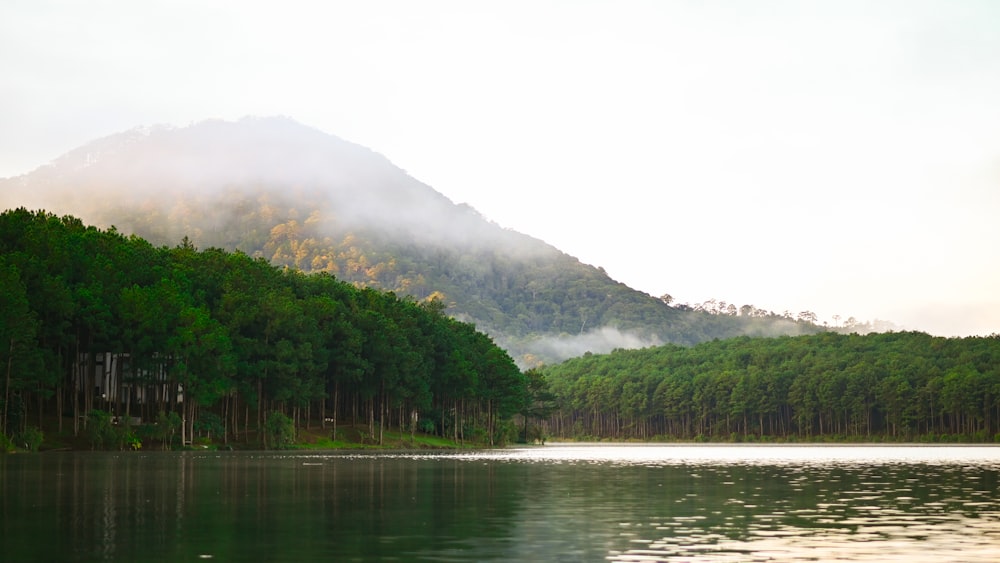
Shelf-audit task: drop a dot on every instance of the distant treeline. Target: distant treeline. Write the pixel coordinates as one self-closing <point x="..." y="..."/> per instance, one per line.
<point x="96" y="321"/>
<point x="891" y="386"/>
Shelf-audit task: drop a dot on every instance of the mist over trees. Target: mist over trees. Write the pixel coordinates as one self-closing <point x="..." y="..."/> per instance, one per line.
<point x="98" y="325"/>
<point x="299" y="198"/>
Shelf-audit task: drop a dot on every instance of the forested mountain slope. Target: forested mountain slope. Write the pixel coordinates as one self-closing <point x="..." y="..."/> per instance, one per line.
<point x="298" y="197"/>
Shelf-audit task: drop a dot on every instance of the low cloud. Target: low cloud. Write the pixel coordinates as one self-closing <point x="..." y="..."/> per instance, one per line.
<point x="597" y="341"/>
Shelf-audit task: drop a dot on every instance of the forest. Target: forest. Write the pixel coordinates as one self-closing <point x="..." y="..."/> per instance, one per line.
<point x="110" y="338"/>
<point x="179" y="345"/>
<point x="897" y="386"/>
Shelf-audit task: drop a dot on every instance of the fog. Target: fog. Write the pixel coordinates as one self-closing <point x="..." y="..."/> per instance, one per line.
<point x="598" y="341"/>
<point x="219" y="167"/>
<point x="606" y="339"/>
<point x="217" y="181"/>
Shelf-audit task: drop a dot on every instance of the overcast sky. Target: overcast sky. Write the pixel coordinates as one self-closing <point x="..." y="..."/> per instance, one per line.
<point x="836" y="156"/>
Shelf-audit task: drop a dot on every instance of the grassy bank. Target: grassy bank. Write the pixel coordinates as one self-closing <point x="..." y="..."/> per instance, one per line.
<point x="315" y="437"/>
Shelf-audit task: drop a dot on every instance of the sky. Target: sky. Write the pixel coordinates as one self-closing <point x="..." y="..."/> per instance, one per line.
<point x="840" y="157"/>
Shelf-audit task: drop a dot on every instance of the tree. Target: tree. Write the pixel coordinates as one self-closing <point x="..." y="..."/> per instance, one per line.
<point x="19" y="357"/>
<point x="203" y="363"/>
<point x="540" y="404"/>
<point x="279" y="431"/>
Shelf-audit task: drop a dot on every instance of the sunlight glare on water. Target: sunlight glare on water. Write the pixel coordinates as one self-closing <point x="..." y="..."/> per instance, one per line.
<point x="794" y="503"/>
<point x="753" y="454"/>
<point x="735" y="503"/>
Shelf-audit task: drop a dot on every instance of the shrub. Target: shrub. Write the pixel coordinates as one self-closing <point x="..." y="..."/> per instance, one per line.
<point x="168" y="424"/>
<point x="128" y="438"/>
<point x="31" y="438"/>
<point x="209" y="424"/>
<point x="427" y="426"/>
<point x="279" y="431"/>
<point x="99" y="430"/>
<point x="505" y="433"/>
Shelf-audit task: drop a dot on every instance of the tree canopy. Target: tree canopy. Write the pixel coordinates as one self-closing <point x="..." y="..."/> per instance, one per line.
<point x="893" y="386"/>
<point x="95" y="320"/>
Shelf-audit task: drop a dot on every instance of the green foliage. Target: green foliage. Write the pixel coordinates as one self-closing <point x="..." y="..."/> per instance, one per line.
<point x="6" y="445"/>
<point x="209" y="424"/>
<point x="100" y="431"/>
<point x="192" y="331"/>
<point x="18" y="355"/>
<point x="280" y="431"/>
<point x="129" y="439"/>
<point x="876" y="387"/>
<point x="168" y="426"/>
<point x="427" y="426"/>
<point x="506" y="433"/>
<point x="31" y="438"/>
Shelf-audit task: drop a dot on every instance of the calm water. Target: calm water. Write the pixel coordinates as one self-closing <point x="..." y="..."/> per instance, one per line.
<point x="552" y="503"/>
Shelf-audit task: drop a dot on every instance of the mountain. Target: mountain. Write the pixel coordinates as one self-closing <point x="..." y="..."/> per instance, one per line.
<point x="301" y="198"/>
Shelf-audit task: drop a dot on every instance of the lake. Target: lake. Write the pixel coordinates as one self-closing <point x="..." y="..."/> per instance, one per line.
<point x="691" y="503"/>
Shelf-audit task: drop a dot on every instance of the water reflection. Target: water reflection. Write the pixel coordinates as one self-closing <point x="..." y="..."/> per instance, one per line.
<point x="249" y="507"/>
<point x="553" y="503"/>
<point x="723" y="503"/>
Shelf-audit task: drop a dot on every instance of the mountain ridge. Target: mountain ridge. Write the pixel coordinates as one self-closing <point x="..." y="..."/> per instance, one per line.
<point x="304" y="199"/>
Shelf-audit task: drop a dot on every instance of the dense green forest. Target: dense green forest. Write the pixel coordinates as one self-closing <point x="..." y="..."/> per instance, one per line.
<point x="100" y="327"/>
<point x="890" y="386"/>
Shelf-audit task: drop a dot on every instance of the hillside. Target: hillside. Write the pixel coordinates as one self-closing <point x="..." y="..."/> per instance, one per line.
<point x="273" y="188"/>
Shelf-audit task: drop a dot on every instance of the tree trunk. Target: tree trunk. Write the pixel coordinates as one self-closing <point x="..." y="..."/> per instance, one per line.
<point x="88" y="387"/>
<point x="76" y="391"/>
<point x="59" y="406"/>
<point x="6" y="391"/>
<point x="234" y="408"/>
<point x="371" y="417"/>
<point x="177" y="392"/>
<point x="489" y="419"/>
<point x="383" y="411"/>
<point x="260" y="408"/>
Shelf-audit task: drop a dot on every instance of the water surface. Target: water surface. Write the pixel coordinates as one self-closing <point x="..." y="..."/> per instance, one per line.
<point x="551" y="503"/>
